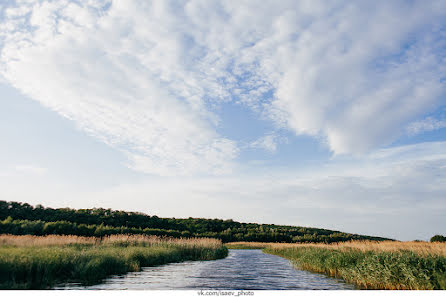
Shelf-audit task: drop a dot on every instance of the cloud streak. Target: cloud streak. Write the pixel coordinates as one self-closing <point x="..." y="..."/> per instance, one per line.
<point x="97" y="68"/>
<point x="425" y="125"/>
<point x="267" y="142"/>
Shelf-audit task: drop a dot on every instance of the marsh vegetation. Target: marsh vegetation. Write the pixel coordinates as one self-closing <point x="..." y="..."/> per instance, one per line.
<point x="36" y="262"/>
<point x="368" y="264"/>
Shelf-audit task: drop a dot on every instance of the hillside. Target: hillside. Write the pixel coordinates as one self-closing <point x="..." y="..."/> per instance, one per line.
<point x="22" y="218"/>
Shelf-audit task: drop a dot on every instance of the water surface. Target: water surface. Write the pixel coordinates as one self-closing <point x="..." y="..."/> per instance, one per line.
<point x="241" y="270"/>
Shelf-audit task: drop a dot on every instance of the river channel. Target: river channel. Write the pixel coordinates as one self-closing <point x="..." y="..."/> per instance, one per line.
<point x="241" y="270"/>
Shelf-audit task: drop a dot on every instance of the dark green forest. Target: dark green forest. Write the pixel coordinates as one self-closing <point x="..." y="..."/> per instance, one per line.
<point x="22" y="218"/>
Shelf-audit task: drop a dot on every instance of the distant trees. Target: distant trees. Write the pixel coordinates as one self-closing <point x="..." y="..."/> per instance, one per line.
<point x="22" y="227"/>
<point x="438" y="238"/>
<point x="22" y="218"/>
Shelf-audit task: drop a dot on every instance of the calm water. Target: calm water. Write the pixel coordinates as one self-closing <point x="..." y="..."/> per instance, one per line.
<point x="241" y="270"/>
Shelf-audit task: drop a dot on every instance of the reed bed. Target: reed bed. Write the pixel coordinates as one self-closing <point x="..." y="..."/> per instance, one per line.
<point x="368" y="264"/>
<point x="49" y="240"/>
<point x="121" y="239"/>
<point x="419" y="248"/>
<point x="33" y="262"/>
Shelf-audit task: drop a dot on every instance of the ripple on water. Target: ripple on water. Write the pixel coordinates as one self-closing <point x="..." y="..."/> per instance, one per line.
<point x="241" y="270"/>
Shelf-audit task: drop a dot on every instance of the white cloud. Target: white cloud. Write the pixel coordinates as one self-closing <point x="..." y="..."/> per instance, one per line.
<point x="117" y="75"/>
<point x="425" y="125"/>
<point x="360" y="73"/>
<point x="143" y="76"/>
<point x="267" y="142"/>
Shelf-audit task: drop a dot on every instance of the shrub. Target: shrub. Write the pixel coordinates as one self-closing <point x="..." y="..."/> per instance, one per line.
<point x="438" y="238"/>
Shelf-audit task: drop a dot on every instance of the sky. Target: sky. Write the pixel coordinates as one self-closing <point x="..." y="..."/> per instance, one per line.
<point x="327" y="114"/>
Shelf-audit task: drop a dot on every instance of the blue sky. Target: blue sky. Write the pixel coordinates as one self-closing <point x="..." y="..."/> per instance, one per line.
<point x="315" y="114"/>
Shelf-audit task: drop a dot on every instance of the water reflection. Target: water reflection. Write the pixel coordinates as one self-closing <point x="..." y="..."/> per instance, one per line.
<point x="241" y="270"/>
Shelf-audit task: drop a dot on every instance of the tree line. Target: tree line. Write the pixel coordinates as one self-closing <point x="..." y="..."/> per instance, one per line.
<point x="22" y="218"/>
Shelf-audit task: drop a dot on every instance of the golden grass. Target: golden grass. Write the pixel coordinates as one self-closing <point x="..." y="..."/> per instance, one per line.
<point x="60" y="240"/>
<point x="420" y="248"/>
<point x="367" y="264"/>
<point x="39" y="262"/>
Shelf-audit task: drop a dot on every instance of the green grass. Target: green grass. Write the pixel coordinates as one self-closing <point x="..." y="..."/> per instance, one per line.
<point x="40" y="267"/>
<point x="371" y="269"/>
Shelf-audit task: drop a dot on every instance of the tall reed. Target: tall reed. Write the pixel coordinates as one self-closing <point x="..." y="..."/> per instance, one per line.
<point x="372" y="265"/>
<point x="417" y="247"/>
<point x="41" y="262"/>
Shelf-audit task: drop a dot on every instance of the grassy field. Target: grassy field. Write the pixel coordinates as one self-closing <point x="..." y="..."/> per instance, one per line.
<point x="33" y="262"/>
<point x="368" y="265"/>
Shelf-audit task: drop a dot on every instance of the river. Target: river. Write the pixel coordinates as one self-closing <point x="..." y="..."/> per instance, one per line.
<point x="241" y="270"/>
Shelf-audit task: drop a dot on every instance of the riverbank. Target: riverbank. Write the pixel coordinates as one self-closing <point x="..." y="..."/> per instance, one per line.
<point x="33" y="262"/>
<point x="368" y="265"/>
